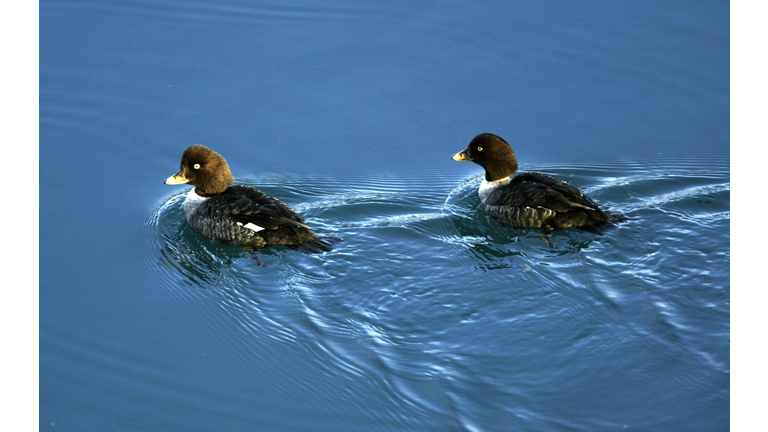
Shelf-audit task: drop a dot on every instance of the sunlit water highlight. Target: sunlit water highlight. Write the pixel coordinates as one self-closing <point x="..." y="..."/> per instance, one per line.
<point x="457" y="321"/>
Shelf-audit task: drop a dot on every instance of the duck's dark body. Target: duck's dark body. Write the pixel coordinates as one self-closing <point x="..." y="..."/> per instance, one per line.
<point x="528" y="200"/>
<point x="246" y="216"/>
<point x="535" y="200"/>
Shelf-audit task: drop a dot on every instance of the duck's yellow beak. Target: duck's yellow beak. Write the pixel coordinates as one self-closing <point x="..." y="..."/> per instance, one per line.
<point x="462" y="156"/>
<point x="176" y="179"/>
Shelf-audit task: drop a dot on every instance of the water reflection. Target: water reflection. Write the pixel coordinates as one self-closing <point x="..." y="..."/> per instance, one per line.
<point x="425" y="280"/>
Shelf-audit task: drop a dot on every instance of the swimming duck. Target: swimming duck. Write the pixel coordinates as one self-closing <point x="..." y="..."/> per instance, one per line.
<point x="528" y="200"/>
<point x="241" y="215"/>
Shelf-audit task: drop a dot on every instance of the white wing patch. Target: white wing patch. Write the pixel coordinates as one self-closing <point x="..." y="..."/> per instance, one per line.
<point x="251" y="226"/>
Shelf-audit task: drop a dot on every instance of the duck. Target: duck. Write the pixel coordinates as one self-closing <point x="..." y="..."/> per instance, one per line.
<point x="529" y="199"/>
<point x="239" y="214"/>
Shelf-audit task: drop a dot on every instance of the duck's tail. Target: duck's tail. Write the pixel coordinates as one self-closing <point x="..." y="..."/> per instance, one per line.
<point x="619" y="217"/>
<point x="602" y="228"/>
<point x="320" y="244"/>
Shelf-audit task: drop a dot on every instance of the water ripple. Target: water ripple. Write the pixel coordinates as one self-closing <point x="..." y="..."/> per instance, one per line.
<point x="424" y="281"/>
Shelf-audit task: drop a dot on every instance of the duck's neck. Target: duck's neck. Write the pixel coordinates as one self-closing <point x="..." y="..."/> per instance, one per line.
<point x="192" y="202"/>
<point x="486" y="187"/>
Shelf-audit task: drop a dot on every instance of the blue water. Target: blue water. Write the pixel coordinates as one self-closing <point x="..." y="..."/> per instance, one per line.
<point x="429" y="316"/>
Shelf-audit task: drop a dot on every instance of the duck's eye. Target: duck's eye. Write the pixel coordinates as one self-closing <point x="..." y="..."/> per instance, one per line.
<point x="196" y="166"/>
<point x="479" y="149"/>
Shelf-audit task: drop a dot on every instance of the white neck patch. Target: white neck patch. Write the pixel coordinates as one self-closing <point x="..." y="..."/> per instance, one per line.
<point x="487" y="187"/>
<point x="192" y="202"/>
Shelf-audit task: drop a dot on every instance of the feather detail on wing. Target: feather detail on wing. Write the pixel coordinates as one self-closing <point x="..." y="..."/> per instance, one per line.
<point x="531" y="200"/>
<point x="248" y="205"/>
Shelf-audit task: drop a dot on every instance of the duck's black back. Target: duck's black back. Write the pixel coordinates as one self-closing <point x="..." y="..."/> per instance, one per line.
<point x="535" y="200"/>
<point x="226" y="218"/>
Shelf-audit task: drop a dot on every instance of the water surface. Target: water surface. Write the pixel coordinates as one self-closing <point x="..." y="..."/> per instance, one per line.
<point x="429" y="316"/>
